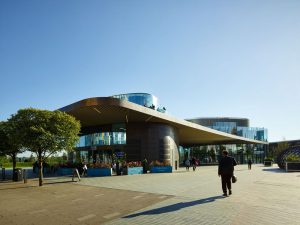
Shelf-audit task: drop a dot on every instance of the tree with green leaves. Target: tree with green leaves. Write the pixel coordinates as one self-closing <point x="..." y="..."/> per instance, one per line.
<point x="281" y="146"/>
<point x="44" y="133"/>
<point x="212" y="154"/>
<point x="200" y="152"/>
<point x="8" y="144"/>
<point x="249" y="151"/>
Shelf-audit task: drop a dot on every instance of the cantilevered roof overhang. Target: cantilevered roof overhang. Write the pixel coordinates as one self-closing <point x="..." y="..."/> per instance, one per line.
<point x="106" y="110"/>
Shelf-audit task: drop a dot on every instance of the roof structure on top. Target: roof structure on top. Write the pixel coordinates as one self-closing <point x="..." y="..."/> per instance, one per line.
<point x="107" y="110"/>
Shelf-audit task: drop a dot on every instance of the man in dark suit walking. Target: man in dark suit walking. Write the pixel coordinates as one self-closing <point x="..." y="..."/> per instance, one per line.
<point x="226" y="167"/>
<point x="249" y="164"/>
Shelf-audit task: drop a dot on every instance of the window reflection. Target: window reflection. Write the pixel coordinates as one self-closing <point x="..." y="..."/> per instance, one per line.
<point x="143" y="99"/>
<point x="103" y="138"/>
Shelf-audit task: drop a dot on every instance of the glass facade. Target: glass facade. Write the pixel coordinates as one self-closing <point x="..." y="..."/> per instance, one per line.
<point x="103" y="138"/>
<point x="255" y="133"/>
<point x="95" y="156"/>
<point x="95" y="147"/>
<point x="143" y="99"/>
<point x="235" y="126"/>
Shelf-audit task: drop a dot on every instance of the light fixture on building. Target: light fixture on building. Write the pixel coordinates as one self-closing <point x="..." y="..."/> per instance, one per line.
<point x="97" y="110"/>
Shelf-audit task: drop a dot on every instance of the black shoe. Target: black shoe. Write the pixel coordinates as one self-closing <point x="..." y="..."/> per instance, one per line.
<point x="225" y="195"/>
<point x="230" y="192"/>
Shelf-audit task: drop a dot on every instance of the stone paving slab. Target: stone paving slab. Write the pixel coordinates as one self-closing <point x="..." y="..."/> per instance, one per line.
<point x="60" y="201"/>
<point x="261" y="196"/>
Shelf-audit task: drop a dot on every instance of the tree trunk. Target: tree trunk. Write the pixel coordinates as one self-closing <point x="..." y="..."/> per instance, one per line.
<point x="40" y="163"/>
<point x="14" y="161"/>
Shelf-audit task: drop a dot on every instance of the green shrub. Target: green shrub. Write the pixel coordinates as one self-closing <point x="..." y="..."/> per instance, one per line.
<point x="292" y="158"/>
<point x="268" y="159"/>
<point x="19" y="164"/>
<point x="4" y="159"/>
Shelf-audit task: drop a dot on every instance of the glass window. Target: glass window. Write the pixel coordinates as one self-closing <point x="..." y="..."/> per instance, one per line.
<point x="103" y="138"/>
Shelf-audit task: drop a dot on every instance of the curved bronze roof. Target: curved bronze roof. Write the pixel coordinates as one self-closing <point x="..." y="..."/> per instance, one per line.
<point x="106" y="110"/>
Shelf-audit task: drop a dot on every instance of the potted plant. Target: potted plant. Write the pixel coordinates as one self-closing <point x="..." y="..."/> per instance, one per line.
<point x="160" y="167"/>
<point x="46" y="167"/>
<point x="292" y="163"/>
<point x="268" y="161"/>
<point x="99" y="169"/>
<point x="134" y="167"/>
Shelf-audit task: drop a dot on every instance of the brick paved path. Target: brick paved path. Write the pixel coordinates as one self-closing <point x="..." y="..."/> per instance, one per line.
<point x="61" y="202"/>
<point x="263" y="195"/>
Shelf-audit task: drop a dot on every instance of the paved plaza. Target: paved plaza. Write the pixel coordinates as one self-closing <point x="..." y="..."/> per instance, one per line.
<point x="263" y="195"/>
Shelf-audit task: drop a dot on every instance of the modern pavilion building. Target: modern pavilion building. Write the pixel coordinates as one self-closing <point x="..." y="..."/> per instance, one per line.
<point x="136" y="125"/>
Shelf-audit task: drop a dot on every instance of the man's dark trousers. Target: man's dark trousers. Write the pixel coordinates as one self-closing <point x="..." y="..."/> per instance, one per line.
<point x="226" y="182"/>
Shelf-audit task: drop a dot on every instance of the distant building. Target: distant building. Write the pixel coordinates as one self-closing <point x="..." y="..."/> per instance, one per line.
<point x="239" y="127"/>
<point x="236" y="126"/>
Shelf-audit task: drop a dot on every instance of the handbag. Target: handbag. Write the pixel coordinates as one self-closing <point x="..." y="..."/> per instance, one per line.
<point x="234" y="179"/>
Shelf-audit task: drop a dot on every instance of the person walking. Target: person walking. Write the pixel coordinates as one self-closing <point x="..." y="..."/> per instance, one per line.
<point x="249" y="164"/>
<point x="225" y="170"/>
<point x="187" y="164"/>
<point x="84" y="170"/>
<point x="194" y="163"/>
<point x="145" y="165"/>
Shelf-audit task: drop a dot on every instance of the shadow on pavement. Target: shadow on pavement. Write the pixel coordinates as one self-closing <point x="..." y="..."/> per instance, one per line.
<point x="8" y="182"/>
<point x="274" y="170"/>
<point x="175" y="207"/>
<point x="16" y="187"/>
<point x="58" y="182"/>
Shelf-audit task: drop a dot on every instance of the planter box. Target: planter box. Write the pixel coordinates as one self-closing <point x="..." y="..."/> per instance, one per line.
<point x="292" y="166"/>
<point x="268" y="163"/>
<point x="99" y="172"/>
<point x="134" y="170"/>
<point x="65" y="171"/>
<point x="46" y="170"/>
<point x="161" y="169"/>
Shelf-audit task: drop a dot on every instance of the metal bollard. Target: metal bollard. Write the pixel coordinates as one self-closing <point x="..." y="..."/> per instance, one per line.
<point x="3" y="173"/>
<point x="25" y="176"/>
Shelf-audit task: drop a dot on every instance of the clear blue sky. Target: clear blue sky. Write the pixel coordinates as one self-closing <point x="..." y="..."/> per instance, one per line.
<point x="200" y="58"/>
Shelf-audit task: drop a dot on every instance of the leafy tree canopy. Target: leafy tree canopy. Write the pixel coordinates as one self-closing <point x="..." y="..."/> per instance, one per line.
<point x="200" y="152"/>
<point x="3" y="139"/>
<point x="280" y="148"/>
<point x="8" y="145"/>
<point x="45" y="131"/>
